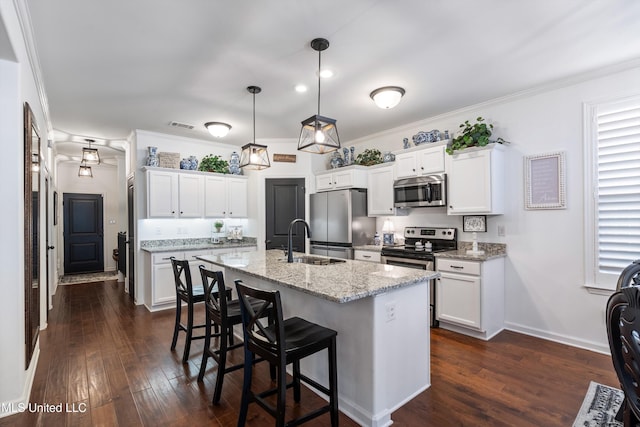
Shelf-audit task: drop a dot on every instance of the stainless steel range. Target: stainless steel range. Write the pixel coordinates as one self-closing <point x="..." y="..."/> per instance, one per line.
<point x="419" y="246"/>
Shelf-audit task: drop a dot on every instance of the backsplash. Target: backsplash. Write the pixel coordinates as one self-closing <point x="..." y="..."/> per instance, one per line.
<point x="177" y="228"/>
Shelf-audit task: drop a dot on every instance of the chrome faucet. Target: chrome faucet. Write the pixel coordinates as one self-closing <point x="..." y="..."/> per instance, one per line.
<point x="290" y="238"/>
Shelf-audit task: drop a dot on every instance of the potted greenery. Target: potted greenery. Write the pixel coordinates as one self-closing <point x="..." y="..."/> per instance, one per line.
<point x="369" y="157"/>
<point x="473" y="135"/>
<point x="218" y="225"/>
<point x="213" y="163"/>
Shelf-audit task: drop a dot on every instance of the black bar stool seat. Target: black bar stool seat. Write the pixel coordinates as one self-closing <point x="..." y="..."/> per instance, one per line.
<point x="281" y="343"/>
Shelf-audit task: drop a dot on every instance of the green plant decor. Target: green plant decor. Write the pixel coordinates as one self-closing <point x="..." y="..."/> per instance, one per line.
<point x="213" y="163"/>
<point x="218" y="225"/>
<point x="473" y="135"/>
<point x="369" y="157"/>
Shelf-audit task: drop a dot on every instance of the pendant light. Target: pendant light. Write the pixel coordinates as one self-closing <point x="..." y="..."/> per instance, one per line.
<point x="319" y="134"/>
<point x="90" y="155"/>
<point x="254" y="156"/>
<point x="85" y="171"/>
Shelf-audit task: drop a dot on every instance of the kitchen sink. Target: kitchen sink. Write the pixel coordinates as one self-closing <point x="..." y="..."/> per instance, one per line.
<point x="316" y="260"/>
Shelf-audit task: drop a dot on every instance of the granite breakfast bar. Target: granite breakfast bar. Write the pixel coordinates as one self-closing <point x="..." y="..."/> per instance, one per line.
<point x="381" y="314"/>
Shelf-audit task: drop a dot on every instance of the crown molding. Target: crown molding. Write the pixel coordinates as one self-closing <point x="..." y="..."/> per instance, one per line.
<point x="24" y="18"/>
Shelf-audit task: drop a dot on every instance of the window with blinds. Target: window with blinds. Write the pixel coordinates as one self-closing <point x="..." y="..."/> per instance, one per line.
<point x="616" y="196"/>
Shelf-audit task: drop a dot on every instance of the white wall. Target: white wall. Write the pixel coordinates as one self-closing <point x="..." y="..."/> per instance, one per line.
<point x="105" y="181"/>
<point x="17" y="85"/>
<point x="545" y="293"/>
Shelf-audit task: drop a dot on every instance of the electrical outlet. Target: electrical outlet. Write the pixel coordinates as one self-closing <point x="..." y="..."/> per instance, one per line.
<point x="501" y="230"/>
<point x="390" y="308"/>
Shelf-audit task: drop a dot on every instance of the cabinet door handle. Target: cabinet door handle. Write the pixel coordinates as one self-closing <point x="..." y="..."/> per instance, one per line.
<point x="366" y="256"/>
<point x="181" y="212"/>
<point x="230" y="213"/>
<point x="413" y="170"/>
<point x="390" y="209"/>
<point x="421" y="167"/>
<point x="166" y="259"/>
<point x="173" y="212"/>
<point x="457" y="267"/>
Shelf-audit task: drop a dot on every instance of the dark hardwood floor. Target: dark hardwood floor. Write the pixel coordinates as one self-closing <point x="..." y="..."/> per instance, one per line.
<point x="102" y="353"/>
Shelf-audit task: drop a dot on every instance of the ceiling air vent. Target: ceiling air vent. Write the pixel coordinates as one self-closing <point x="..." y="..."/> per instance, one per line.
<point x="181" y="125"/>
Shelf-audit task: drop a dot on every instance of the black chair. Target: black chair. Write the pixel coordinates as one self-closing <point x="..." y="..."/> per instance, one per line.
<point x="282" y="343"/>
<point x="222" y="313"/>
<point x="191" y="295"/>
<point x="623" y="331"/>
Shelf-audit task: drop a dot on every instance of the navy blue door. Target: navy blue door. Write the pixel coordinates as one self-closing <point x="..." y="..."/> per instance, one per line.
<point x="83" y="233"/>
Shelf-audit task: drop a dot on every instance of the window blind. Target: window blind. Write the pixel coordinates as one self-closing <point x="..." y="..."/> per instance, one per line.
<point x="618" y="186"/>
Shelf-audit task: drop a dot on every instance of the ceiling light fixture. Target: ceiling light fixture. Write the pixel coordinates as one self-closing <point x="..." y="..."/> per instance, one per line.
<point x="387" y="97"/>
<point x="90" y="155"/>
<point x="218" y="129"/>
<point x="254" y="156"/>
<point x="85" y="171"/>
<point x="319" y="134"/>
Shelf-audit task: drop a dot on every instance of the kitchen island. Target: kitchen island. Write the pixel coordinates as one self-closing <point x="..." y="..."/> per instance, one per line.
<point x="381" y="314"/>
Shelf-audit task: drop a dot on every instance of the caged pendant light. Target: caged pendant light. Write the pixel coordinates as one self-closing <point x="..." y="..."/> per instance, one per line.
<point x="90" y="155"/>
<point x="254" y="156"/>
<point x="85" y="171"/>
<point x="319" y="134"/>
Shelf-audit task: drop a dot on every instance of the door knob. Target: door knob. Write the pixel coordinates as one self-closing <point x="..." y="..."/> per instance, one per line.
<point x="51" y="247"/>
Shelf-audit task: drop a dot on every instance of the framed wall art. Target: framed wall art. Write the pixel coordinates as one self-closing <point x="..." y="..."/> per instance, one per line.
<point x="474" y="223"/>
<point x="544" y="178"/>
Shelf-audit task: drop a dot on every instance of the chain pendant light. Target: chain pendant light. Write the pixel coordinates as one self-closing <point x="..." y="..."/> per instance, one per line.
<point x="319" y="134"/>
<point x="254" y="156"/>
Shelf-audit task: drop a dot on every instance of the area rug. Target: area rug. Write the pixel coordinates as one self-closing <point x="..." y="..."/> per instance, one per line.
<point x="70" y="279"/>
<point x="600" y="407"/>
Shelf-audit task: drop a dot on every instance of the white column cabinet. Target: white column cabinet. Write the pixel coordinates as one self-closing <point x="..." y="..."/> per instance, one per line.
<point x="380" y="191"/>
<point x="191" y="196"/>
<point x="475" y="181"/>
<point x="470" y="296"/>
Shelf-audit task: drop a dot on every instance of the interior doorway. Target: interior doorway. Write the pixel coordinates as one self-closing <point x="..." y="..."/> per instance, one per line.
<point x="83" y="233"/>
<point x="285" y="201"/>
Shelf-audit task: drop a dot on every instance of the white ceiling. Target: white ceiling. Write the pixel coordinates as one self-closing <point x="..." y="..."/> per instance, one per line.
<point x="113" y="66"/>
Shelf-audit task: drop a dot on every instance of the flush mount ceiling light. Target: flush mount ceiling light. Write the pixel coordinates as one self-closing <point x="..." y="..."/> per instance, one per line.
<point x="90" y="155"/>
<point x="85" y="171"/>
<point x="319" y="134"/>
<point x="387" y="97"/>
<point x="218" y="129"/>
<point x="254" y="156"/>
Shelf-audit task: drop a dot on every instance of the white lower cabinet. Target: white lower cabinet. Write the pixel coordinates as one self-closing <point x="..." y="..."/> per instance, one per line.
<point x="370" y="256"/>
<point x="470" y="296"/>
<point x="163" y="290"/>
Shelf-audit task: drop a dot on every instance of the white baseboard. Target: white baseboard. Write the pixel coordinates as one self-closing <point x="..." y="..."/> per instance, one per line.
<point x="559" y="338"/>
<point x="18" y="405"/>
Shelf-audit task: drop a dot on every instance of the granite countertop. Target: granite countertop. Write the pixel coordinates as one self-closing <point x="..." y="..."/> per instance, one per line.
<point x="342" y="282"/>
<point x="172" y="245"/>
<point x="491" y="251"/>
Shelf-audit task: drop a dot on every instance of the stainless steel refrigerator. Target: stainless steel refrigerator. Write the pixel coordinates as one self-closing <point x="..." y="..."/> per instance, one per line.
<point x="339" y="221"/>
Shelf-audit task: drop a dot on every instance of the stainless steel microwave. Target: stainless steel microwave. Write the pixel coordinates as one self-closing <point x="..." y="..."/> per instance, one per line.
<point x="422" y="191"/>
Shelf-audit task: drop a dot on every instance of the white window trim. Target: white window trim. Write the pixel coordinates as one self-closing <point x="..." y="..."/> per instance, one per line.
<point x="590" y="131"/>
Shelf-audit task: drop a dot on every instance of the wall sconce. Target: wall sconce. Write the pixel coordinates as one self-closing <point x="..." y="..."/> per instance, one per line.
<point x="387" y="97"/>
<point x="90" y="155"/>
<point x="35" y="162"/>
<point x="218" y="129"/>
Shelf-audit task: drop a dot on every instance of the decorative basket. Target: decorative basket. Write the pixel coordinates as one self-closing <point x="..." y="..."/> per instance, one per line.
<point x="169" y="160"/>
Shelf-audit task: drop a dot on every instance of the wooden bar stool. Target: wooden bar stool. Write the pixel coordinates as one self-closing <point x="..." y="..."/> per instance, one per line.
<point x="223" y="314"/>
<point x="191" y="295"/>
<point x="283" y="342"/>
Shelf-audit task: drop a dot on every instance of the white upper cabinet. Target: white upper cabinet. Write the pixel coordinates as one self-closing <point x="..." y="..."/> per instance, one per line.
<point x="225" y="197"/>
<point x="191" y="196"/>
<point x="347" y="177"/>
<point x="162" y="194"/>
<point x="380" y="191"/>
<point x="173" y="194"/>
<point x="425" y="161"/>
<point x="476" y="181"/>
